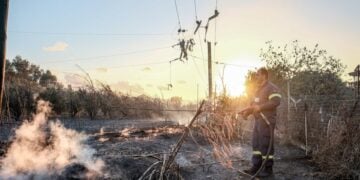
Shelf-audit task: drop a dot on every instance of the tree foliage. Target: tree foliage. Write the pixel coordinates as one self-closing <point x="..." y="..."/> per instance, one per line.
<point x="309" y="70"/>
<point x="21" y="87"/>
<point x="56" y="96"/>
<point x="73" y="102"/>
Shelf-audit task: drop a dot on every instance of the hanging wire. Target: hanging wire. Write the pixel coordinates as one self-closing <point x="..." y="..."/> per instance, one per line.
<point x="196" y="14"/>
<point x="215" y="40"/>
<point x="177" y="13"/>
<point x="223" y="63"/>
<point x="198" y="71"/>
<point x="200" y="41"/>
<point x="125" y="66"/>
<point x="216" y="8"/>
<point x="106" y="56"/>
<point x="170" y="82"/>
<point x="202" y="51"/>
<point x="170" y="73"/>
<point x="87" y="33"/>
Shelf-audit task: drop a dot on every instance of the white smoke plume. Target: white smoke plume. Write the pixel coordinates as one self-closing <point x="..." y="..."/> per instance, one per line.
<point x="42" y="149"/>
<point x="181" y="118"/>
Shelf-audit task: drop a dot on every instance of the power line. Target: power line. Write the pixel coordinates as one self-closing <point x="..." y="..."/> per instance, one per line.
<point x="106" y="56"/>
<point x="177" y="13"/>
<point x="202" y="52"/>
<point x="237" y="65"/>
<point x="223" y="63"/>
<point x="138" y="65"/>
<point x="127" y="66"/>
<point x="88" y="33"/>
<point x="198" y="71"/>
<point x="196" y="14"/>
<point x="200" y="42"/>
<point x="215" y="29"/>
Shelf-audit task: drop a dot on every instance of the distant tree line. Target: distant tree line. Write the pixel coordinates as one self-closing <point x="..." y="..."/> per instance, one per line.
<point x="26" y="83"/>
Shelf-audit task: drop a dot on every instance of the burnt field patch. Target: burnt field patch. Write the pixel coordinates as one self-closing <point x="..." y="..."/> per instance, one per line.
<point x="129" y="152"/>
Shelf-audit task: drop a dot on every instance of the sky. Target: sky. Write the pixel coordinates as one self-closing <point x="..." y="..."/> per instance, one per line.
<point x="128" y="43"/>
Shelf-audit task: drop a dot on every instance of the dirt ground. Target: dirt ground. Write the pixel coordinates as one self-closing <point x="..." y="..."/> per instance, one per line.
<point x="129" y="147"/>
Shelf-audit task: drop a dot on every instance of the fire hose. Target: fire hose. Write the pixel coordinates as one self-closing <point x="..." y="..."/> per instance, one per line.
<point x="268" y="150"/>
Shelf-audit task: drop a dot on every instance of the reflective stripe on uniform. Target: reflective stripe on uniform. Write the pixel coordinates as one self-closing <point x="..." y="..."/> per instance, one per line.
<point x="274" y="95"/>
<point x="270" y="157"/>
<point x="257" y="153"/>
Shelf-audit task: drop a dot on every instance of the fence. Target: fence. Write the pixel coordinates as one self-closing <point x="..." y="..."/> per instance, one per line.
<point x="306" y="120"/>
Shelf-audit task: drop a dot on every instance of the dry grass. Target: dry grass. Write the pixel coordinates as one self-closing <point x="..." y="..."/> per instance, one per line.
<point x="338" y="155"/>
<point x="220" y="129"/>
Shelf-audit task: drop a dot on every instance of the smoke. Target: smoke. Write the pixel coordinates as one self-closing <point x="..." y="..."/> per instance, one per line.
<point x="182" y="118"/>
<point x="43" y="149"/>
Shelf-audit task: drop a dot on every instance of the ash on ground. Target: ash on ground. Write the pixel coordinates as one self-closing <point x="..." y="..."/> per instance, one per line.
<point x="129" y="147"/>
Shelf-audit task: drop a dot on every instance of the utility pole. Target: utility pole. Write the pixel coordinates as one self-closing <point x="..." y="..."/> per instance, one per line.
<point x="210" y="70"/>
<point x="197" y="95"/>
<point x="358" y="81"/>
<point x="306" y="129"/>
<point x="288" y="108"/>
<point x="4" y="9"/>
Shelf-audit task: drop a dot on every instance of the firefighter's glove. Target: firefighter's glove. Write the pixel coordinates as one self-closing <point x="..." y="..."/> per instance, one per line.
<point x="256" y="108"/>
<point x="246" y="112"/>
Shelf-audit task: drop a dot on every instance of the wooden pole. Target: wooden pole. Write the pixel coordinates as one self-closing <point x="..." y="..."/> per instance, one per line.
<point x="197" y="95"/>
<point x="306" y="126"/>
<point x="288" y="108"/>
<point x="210" y="71"/>
<point x="306" y="135"/>
<point x="358" y="81"/>
<point x="354" y="86"/>
<point x="4" y="9"/>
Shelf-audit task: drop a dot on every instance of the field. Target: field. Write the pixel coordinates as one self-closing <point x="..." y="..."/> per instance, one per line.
<point x="129" y="147"/>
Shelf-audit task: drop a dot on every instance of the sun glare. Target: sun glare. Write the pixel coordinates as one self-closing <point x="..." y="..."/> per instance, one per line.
<point x="235" y="77"/>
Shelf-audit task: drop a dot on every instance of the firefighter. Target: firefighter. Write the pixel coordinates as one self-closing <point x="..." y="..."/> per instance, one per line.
<point x="267" y="99"/>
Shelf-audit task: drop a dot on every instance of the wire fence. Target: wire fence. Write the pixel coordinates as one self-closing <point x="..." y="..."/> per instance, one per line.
<point x="307" y="120"/>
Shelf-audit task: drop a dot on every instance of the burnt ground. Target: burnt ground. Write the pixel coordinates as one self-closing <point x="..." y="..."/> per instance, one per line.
<point x="129" y="147"/>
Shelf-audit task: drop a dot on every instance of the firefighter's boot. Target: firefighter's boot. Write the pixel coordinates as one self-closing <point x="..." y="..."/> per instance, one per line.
<point x="252" y="170"/>
<point x="267" y="171"/>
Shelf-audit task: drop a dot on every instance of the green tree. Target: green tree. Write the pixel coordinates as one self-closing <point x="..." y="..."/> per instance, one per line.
<point x="24" y="70"/>
<point x="90" y="101"/>
<point x="47" y="79"/>
<point x="18" y="100"/>
<point x="56" y="96"/>
<point x="310" y="70"/>
<point x="317" y="83"/>
<point x="20" y="87"/>
<point x="73" y="102"/>
<point x="23" y="83"/>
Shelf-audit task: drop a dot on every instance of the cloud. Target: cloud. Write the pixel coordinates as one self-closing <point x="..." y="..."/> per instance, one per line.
<point x="74" y="80"/>
<point x="102" y="70"/>
<point x="149" y="85"/>
<point x="146" y="69"/>
<point x="181" y="82"/>
<point x="125" y="86"/>
<point x="58" y="46"/>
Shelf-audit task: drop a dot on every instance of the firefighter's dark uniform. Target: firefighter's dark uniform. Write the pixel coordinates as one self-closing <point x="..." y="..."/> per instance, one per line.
<point x="268" y="98"/>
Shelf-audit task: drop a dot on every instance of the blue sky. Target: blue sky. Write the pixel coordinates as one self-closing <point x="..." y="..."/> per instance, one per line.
<point x="59" y="34"/>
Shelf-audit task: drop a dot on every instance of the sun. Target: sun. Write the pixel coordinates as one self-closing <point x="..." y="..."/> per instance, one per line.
<point x="234" y="80"/>
<point x="234" y="77"/>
